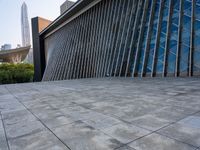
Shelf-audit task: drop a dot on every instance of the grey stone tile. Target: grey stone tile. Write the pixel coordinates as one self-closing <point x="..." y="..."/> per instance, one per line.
<point x="108" y="109"/>
<point x="188" y="103"/>
<point x="17" y="116"/>
<point x="79" y="135"/>
<point x="181" y="110"/>
<point x="38" y="141"/>
<point x="80" y="113"/>
<point x="170" y="116"/>
<point x="101" y="121"/>
<point x="125" y="133"/>
<point x="197" y="114"/>
<point x="125" y="148"/>
<point x="46" y="112"/>
<point x="159" y="142"/>
<point x="23" y="128"/>
<point x="150" y="122"/>
<point x="1" y="124"/>
<point x="3" y="143"/>
<point x="59" y="104"/>
<point x="11" y="106"/>
<point x="34" y="96"/>
<point x="186" y="130"/>
<point x="57" y="121"/>
<point x="35" y="104"/>
<point x="136" y="109"/>
<point x="103" y="105"/>
<point x="6" y="98"/>
<point x="3" y="91"/>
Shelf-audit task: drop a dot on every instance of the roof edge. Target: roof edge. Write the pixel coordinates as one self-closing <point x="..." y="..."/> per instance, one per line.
<point x="78" y="6"/>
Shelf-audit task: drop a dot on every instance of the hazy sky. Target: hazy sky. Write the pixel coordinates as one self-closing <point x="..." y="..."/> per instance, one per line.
<point x="10" y="15"/>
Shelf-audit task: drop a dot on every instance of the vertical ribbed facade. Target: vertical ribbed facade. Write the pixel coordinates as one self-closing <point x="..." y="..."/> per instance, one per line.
<point x="127" y="38"/>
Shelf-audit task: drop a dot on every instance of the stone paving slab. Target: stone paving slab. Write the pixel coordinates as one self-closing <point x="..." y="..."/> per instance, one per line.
<point x="101" y="114"/>
<point x="3" y="142"/>
<point x="11" y="118"/>
<point x="81" y="136"/>
<point x="125" y="148"/>
<point x="159" y="142"/>
<point x="44" y="140"/>
<point x="186" y="130"/>
<point x="125" y="133"/>
<point x="23" y="128"/>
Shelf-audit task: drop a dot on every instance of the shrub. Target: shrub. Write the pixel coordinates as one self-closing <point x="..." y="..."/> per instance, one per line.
<point x="16" y="73"/>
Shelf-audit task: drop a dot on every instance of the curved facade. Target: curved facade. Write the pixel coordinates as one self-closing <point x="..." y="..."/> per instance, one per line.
<point x="124" y="38"/>
<point x="17" y="55"/>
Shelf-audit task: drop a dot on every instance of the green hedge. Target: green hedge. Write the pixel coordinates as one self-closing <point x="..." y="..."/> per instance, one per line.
<point x="16" y="73"/>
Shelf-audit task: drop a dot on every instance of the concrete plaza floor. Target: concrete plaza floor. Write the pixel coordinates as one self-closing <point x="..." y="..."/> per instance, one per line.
<point x="101" y="114"/>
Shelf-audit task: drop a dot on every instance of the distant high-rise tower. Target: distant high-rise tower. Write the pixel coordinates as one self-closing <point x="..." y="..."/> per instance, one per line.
<point x="25" y="26"/>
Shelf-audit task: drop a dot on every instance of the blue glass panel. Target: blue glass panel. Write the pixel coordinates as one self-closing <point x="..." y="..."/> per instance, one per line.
<point x="173" y="46"/>
<point x="175" y="17"/>
<point x="197" y="40"/>
<point x="173" y="43"/>
<point x="197" y="9"/>
<point x="184" y="67"/>
<point x="153" y="38"/>
<point x="167" y="3"/>
<point x="144" y="39"/>
<point x="162" y="40"/>
<point x="185" y="39"/>
<point x="187" y="7"/>
<point x="198" y="2"/>
<point x="160" y="60"/>
<point x="159" y="67"/>
<point x="184" y="57"/>
<point x="171" y="63"/>
<point x="197" y="57"/>
<point x="174" y="33"/>
<point x="176" y="5"/>
<point x="186" y="22"/>
<point x="197" y="27"/>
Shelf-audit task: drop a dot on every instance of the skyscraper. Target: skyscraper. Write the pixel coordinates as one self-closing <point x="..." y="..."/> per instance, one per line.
<point x="25" y="26"/>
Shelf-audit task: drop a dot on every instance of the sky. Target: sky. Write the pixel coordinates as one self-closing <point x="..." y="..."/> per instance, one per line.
<point x="10" y="17"/>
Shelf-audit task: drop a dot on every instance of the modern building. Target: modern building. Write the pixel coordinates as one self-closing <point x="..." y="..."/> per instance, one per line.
<point x="18" y="45"/>
<point x="25" y="29"/>
<point x="121" y="38"/>
<point x="66" y="5"/>
<point x="17" y="55"/>
<point x="6" y="47"/>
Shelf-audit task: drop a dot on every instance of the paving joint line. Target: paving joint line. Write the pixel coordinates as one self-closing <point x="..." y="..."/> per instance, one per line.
<point x="126" y="144"/>
<point x="5" y="133"/>
<point x="116" y="117"/>
<point x="178" y="140"/>
<point x="116" y="124"/>
<point x="156" y="131"/>
<point x="40" y="121"/>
